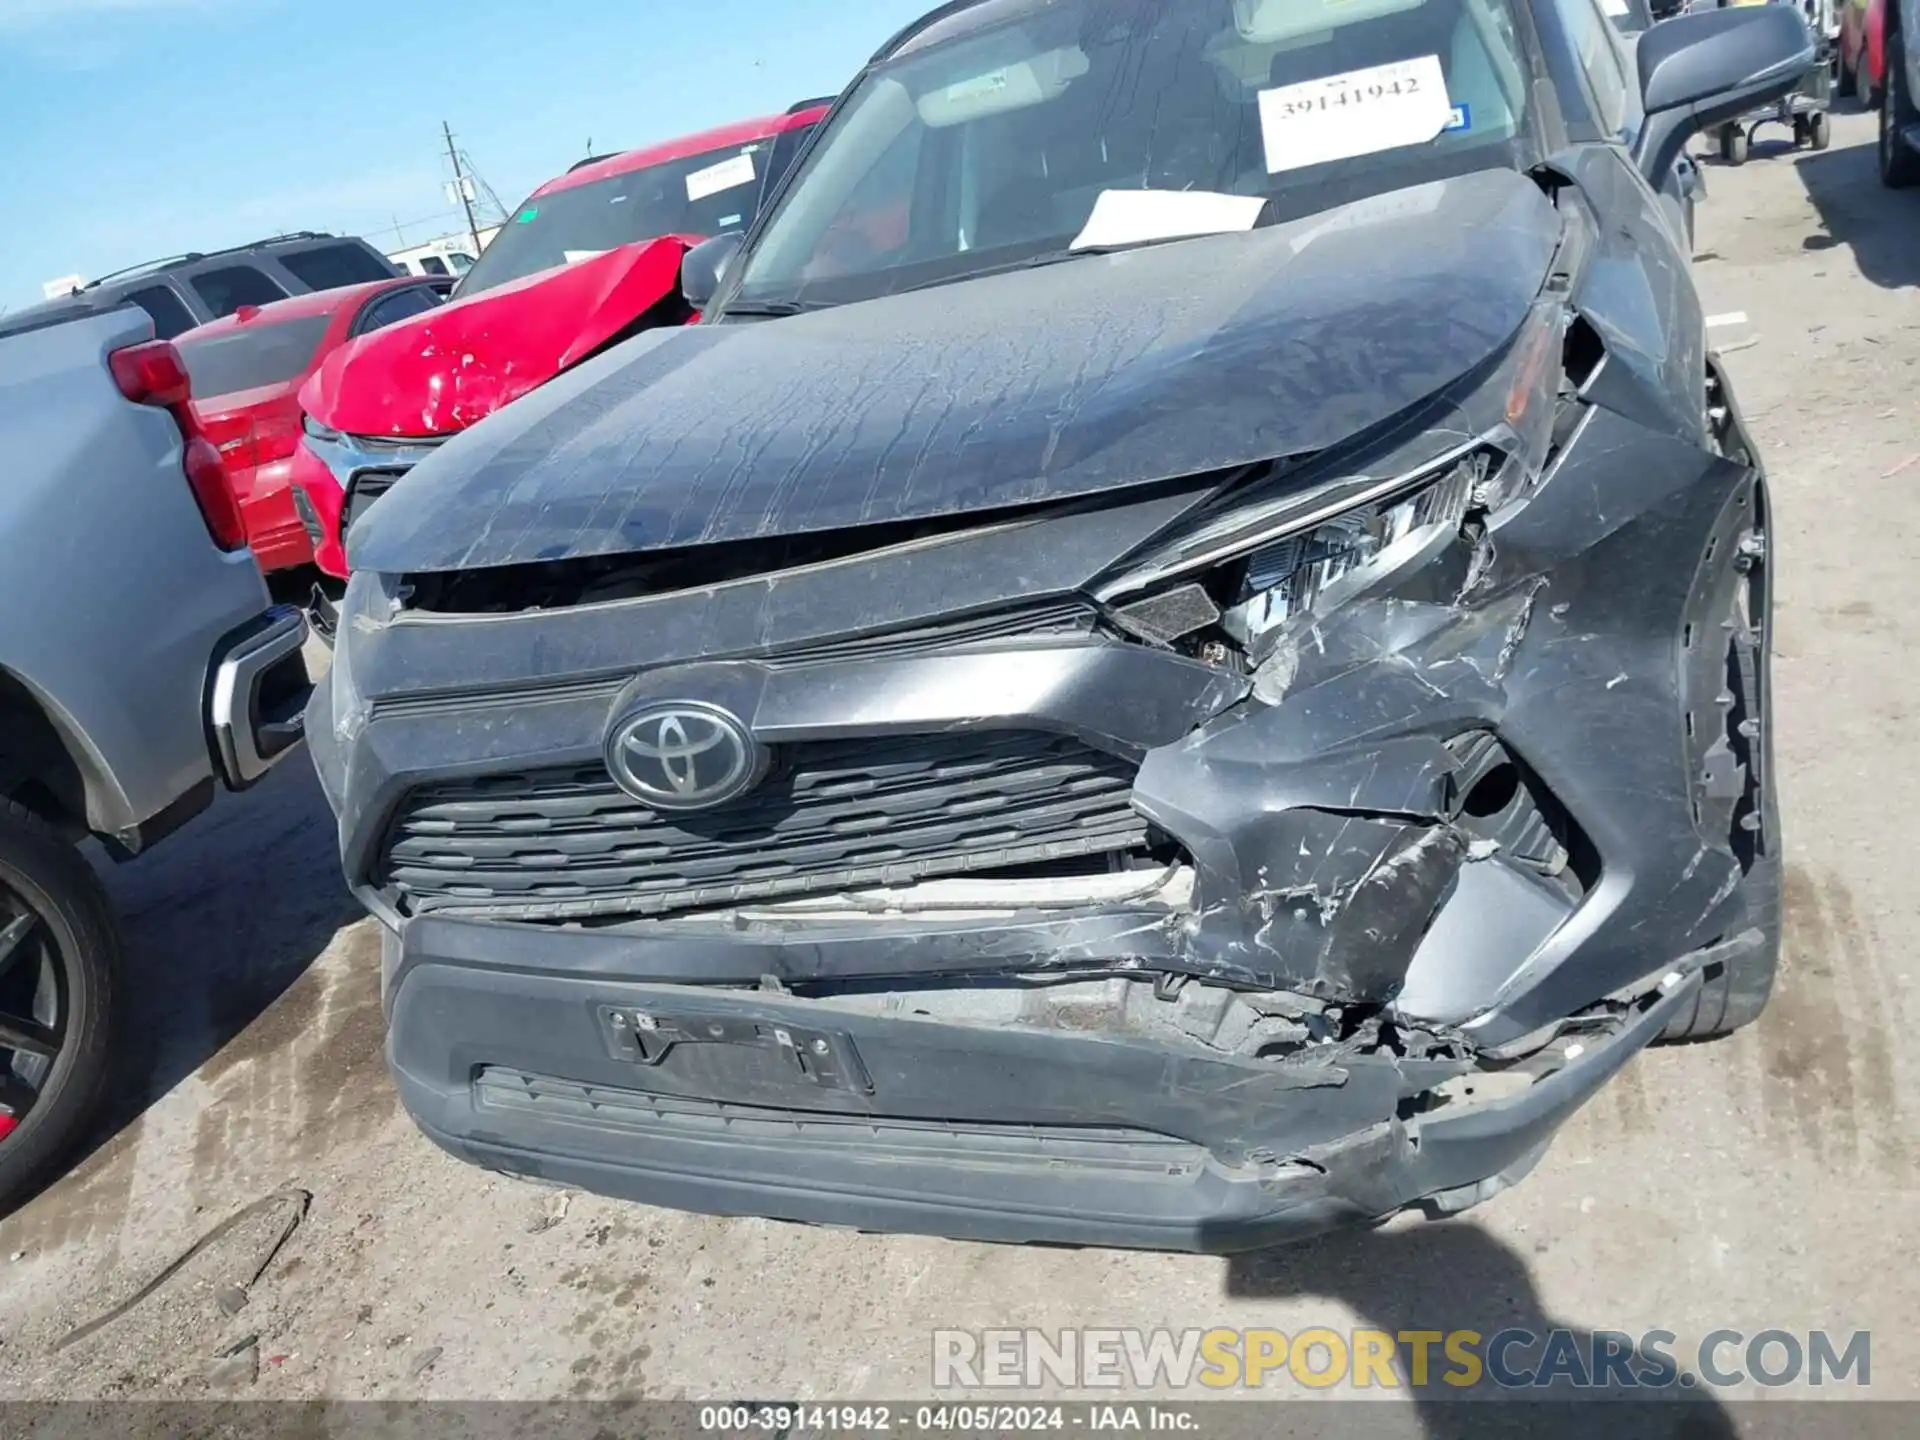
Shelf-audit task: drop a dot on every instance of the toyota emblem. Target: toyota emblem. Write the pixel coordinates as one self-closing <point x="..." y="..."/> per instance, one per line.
<point x="683" y="756"/>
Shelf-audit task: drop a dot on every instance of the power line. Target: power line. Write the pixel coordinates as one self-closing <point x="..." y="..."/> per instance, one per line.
<point x="480" y="181"/>
<point x="439" y="220"/>
<point x="460" y="186"/>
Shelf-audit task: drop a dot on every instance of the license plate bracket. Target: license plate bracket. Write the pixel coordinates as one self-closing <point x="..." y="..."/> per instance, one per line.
<point x="826" y="1058"/>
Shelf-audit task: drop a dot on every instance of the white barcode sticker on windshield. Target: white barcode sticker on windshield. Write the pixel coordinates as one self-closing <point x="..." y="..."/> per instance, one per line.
<point x="1358" y="113"/>
<point x="725" y="176"/>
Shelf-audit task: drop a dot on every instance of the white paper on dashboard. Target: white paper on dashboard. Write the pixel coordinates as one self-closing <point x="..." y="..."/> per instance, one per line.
<point x="574" y="257"/>
<point x="1131" y="217"/>
<point x="724" y="176"/>
<point x="1358" y="113"/>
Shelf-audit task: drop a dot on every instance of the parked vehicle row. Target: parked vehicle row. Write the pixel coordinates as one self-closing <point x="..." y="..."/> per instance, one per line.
<point x="188" y="290"/>
<point x="174" y="387"/>
<point x="112" y="724"/>
<point x="247" y="371"/>
<point x="1180" y="658"/>
<point x="591" y="258"/>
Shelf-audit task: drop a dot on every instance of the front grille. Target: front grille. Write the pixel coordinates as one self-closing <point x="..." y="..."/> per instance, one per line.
<point x="558" y="843"/>
<point x="309" y="518"/>
<point x="368" y="486"/>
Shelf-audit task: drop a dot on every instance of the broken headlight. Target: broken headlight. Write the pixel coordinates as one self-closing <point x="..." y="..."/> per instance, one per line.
<point x="1321" y="566"/>
<point x="1288" y="550"/>
<point x="1260" y="568"/>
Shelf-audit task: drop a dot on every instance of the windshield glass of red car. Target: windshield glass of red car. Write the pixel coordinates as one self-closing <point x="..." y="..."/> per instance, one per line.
<point x="1076" y="125"/>
<point x="251" y="356"/>
<point x="701" y="195"/>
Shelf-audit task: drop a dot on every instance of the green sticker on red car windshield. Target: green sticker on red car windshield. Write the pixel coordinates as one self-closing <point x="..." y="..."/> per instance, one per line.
<point x="526" y="216"/>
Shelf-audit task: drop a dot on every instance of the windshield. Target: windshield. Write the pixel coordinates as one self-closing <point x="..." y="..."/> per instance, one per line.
<point x="701" y="195"/>
<point x="253" y="355"/>
<point x="1024" y="128"/>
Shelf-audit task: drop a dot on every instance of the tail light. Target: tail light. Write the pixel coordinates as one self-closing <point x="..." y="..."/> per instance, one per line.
<point x="247" y="440"/>
<point x="153" y="374"/>
<point x="232" y="436"/>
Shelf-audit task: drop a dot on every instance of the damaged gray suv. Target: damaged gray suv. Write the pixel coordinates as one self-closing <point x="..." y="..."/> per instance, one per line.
<point x="1181" y="658"/>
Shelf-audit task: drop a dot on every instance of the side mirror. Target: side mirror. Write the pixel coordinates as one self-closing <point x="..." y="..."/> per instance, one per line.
<point x="705" y="266"/>
<point x="1703" y="69"/>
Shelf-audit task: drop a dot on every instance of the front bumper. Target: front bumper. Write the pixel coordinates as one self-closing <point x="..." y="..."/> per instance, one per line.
<point x="275" y="531"/>
<point x="318" y="502"/>
<point x="335" y="480"/>
<point x="973" y="1133"/>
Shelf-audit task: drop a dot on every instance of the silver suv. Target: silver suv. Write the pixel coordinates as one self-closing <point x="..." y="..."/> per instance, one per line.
<point x="183" y="291"/>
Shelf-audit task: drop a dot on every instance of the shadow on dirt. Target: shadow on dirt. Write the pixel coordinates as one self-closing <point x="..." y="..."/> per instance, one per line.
<point x="1770" y="146"/>
<point x="1857" y="211"/>
<point x="1453" y="1276"/>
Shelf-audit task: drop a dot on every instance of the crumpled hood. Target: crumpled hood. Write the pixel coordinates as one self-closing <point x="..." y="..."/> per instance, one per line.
<point x="1037" y="385"/>
<point x="452" y="367"/>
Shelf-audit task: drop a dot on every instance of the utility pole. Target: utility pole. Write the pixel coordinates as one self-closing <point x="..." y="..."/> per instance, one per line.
<point x="460" y="186"/>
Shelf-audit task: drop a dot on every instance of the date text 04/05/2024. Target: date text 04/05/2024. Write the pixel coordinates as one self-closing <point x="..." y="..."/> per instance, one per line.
<point x="940" y="1419"/>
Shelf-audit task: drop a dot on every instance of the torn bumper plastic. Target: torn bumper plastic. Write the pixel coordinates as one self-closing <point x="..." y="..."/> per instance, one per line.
<point x="888" y="1122"/>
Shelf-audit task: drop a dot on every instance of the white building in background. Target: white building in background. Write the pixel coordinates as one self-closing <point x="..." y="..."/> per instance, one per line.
<point x="63" y="287"/>
<point x="448" y="255"/>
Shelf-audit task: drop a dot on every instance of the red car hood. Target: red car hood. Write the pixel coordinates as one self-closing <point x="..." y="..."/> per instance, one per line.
<point x="452" y="367"/>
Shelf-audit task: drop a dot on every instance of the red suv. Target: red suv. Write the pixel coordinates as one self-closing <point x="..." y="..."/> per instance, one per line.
<point x="247" y="370"/>
<point x="590" y="259"/>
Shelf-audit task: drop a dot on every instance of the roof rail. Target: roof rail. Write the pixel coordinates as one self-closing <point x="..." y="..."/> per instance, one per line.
<point x="819" y="104"/>
<point x="148" y="267"/>
<point x="145" y="267"/>
<point x="276" y="239"/>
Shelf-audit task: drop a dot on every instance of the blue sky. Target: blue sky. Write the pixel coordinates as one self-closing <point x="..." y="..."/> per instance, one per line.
<point x="138" y="128"/>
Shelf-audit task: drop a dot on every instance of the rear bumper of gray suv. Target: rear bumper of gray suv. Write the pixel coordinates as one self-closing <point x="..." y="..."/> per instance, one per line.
<point x="257" y="695"/>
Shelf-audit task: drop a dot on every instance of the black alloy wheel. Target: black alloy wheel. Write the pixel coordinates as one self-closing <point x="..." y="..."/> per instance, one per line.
<point x="59" y="974"/>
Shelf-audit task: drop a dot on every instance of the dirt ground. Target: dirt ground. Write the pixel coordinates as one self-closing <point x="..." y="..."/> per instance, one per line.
<point x="1764" y="1181"/>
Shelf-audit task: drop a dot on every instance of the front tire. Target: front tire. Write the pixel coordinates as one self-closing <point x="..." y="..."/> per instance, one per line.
<point x="1899" y="165"/>
<point x="1734" y="144"/>
<point x="1820" y="131"/>
<point x="1870" y="96"/>
<point x="60" y="967"/>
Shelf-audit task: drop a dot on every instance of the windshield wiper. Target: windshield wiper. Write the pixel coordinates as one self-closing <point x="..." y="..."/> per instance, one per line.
<point x="770" y="309"/>
<point x="1032" y="262"/>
